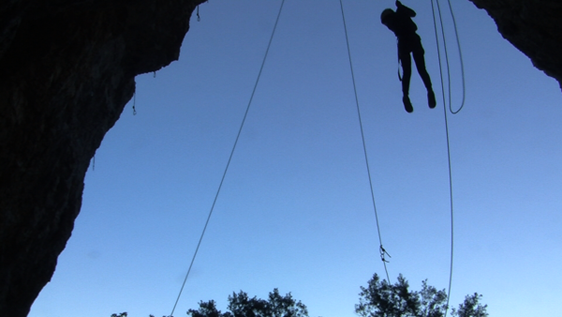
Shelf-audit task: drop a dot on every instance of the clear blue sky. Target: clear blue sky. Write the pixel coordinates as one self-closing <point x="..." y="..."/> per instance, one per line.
<point x="295" y="210"/>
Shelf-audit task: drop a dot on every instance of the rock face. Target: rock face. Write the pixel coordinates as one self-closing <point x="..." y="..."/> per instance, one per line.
<point x="534" y="27"/>
<point x="67" y="69"/>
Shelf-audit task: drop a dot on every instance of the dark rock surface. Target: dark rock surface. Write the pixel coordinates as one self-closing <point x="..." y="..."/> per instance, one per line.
<point x="67" y="70"/>
<point x="534" y="27"/>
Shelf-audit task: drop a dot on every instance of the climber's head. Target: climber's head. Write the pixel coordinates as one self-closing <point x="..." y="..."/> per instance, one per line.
<point x="386" y="15"/>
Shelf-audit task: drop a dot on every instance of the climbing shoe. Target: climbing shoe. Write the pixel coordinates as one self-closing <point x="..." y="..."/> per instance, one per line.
<point x="407" y="104"/>
<point x="431" y="99"/>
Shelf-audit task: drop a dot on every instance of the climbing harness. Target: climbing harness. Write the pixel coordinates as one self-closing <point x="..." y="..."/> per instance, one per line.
<point x="229" y="158"/>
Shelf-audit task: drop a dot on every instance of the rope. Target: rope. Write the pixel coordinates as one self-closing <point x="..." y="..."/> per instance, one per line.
<point x="134" y="103"/>
<point x="381" y="249"/>
<point x="229" y="158"/>
<point x="447" y="136"/>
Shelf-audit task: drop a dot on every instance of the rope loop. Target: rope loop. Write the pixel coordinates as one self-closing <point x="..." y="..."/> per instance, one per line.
<point x="445" y="50"/>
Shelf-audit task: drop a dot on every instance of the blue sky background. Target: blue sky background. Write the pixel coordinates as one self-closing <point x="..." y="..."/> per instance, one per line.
<point x="295" y="210"/>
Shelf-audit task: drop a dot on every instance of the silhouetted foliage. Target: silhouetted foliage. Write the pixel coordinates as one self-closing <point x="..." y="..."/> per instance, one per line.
<point x="381" y="299"/>
<point x="207" y="309"/>
<point x="378" y="299"/>
<point x="125" y="315"/>
<point x="471" y="307"/>
<point x="240" y="305"/>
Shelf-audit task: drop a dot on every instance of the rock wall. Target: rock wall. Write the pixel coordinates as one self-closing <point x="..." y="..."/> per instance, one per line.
<point x="532" y="26"/>
<point x="67" y="69"/>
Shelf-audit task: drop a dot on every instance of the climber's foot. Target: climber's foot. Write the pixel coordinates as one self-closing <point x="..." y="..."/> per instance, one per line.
<point x="407" y="104"/>
<point x="431" y="99"/>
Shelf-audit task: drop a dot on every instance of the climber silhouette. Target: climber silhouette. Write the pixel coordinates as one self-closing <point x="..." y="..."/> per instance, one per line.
<point x="400" y="22"/>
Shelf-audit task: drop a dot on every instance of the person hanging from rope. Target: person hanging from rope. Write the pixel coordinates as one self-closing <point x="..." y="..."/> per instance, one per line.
<point x="400" y="22"/>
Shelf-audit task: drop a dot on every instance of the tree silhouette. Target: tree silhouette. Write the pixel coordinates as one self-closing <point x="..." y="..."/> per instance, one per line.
<point x="471" y="307"/>
<point x="124" y="314"/>
<point x="240" y="305"/>
<point x="378" y="299"/>
<point x="381" y="299"/>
